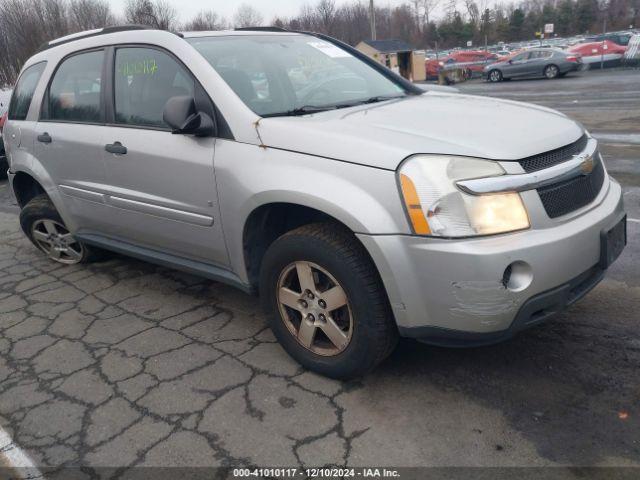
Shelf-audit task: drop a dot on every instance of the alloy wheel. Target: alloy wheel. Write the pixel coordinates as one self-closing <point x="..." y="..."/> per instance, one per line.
<point x="494" y="76"/>
<point x="54" y="239"/>
<point x="315" y="308"/>
<point x="551" y="71"/>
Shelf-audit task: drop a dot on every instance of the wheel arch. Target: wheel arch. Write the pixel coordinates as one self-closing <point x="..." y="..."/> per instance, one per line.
<point x="267" y="222"/>
<point x="26" y="187"/>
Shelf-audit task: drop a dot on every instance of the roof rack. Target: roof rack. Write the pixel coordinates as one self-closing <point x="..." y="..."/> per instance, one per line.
<point x="261" y="29"/>
<point x="91" y="33"/>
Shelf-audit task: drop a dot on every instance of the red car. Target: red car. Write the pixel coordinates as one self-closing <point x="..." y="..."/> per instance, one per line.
<point x="595" y="52"/>
<point x="473" y="60"/>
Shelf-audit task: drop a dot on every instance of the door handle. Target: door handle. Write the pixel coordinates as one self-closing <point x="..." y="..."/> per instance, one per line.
<point x="45" y="138"/>
<point x="116" y="148"/>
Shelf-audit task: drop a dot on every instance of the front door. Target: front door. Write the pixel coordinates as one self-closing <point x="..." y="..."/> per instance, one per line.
<point x="162" y="186"/>
<point x="518" y="66"/>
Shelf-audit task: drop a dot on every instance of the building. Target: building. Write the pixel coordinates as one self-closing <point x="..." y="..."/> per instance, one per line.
<point x="397" y="55"/>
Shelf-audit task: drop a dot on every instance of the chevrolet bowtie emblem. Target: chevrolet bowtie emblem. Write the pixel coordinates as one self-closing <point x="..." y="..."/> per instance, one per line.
<point x="587" y="165"/>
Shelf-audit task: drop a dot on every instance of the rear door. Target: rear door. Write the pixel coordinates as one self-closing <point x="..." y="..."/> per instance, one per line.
<point x="538" y="59"/>
<point x="161" y="186"/>
<point x="69" y="136"/>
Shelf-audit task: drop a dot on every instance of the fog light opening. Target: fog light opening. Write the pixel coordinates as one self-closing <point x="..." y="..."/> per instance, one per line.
<point x="517" y="276"/>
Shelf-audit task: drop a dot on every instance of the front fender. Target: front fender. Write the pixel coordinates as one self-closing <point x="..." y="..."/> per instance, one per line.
<point x="365" y="199"/>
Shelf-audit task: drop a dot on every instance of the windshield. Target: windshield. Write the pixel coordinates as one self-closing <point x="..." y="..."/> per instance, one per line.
<point x="293" y="74"/>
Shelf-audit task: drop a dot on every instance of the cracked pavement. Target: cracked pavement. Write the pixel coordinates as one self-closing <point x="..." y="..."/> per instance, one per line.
<point x="124" y="364"/>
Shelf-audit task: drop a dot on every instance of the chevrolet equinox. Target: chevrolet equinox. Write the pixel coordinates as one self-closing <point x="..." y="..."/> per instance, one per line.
<point x="359" y="206"/>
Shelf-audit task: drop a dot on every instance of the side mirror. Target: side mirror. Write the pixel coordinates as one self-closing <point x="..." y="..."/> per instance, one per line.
<point x="181" y="115"/>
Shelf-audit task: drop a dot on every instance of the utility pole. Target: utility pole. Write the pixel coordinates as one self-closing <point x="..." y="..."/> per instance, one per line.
<point x="603" y="6"/>
<point x="604" y="32"/>
<point x="372" y="17"/>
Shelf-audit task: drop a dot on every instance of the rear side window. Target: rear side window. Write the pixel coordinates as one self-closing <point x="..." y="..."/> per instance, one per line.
<point x="23" y="93"/>
<point x="542" y="54"/>
<point x="145" y="79"/>
<point x="75" y="94"/>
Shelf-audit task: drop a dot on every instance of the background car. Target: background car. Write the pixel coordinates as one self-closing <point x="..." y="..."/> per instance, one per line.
<point x="537" y="62"/>
<point x="473" y="60"/>
<point x="5" y="96"/>
<point x="606" y="52"/>
<point x="619" y="38"/>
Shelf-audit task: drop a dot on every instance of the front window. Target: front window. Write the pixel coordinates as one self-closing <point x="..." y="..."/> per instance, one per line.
<point x="520" y="57"/>
<point x="145" y="79"/>
<point x="293" y="74"/>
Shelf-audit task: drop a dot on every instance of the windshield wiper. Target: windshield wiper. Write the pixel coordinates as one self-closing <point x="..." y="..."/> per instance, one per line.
<point x="383" y="98"/>
<point x="305" y="110"/>
<point x="376" y="99"/>
<point x="308" y="109"/>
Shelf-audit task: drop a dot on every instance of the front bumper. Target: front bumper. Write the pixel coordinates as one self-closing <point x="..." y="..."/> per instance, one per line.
<point x="453" y="291"/>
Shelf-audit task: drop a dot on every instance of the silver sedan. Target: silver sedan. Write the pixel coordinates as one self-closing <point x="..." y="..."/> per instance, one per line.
<point x="537" y="62"/>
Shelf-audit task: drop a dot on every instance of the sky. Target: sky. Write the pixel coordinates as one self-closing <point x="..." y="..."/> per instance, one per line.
<point x="268" y="8"/>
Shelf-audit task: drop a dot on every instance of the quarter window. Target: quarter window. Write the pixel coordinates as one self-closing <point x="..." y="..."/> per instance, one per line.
<point x="76" y="90"/>
<point x="23" y="93"/>
<point x="145" y="79"/>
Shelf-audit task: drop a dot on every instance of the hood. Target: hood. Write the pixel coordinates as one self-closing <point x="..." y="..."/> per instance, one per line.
<point x="383" y="134"/>
<point x="432" y="87"/>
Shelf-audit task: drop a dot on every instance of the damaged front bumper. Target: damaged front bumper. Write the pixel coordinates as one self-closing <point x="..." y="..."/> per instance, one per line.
<point x="483" y="290"/>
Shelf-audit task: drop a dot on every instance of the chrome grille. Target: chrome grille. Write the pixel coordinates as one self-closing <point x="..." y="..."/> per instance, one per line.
<point x="553" y="157"/>
<point x="565" y="197"/>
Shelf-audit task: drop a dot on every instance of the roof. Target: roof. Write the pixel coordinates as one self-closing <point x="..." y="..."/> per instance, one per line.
<point x="237" y="33"/>
<point x="389" y="46"/>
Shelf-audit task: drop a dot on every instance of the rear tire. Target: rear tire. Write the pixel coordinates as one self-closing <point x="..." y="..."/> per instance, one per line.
<point x="334" y="257"/>
<point x="42" y="224"/>
<point x="495" y="76"/>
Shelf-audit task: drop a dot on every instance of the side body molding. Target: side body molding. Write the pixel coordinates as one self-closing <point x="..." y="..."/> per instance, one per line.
<point x="136" y="206"/>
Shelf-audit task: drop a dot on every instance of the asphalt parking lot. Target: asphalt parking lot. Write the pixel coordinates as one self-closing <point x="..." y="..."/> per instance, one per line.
<point x="123" y="364"/>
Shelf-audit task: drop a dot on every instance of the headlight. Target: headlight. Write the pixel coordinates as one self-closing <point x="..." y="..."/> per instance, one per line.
<point x="436" y="207"/>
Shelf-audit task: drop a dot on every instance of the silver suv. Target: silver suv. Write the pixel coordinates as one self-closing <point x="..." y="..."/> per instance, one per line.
<point x="360" y="207"/>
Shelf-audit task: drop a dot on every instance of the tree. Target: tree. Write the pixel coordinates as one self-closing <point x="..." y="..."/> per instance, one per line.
<point x="247" y="16"/>
<point x="565" y="17"/>
<point x="516" y="21"/>
<point x="158" y="14"/>
<point x="428" y="7"/>
<point x="205" y="21"/>
<point x="473" y="12"/>
<point x="326" y="12"/>
<point x="586" y="13"/>
<point x="90" y="14"/>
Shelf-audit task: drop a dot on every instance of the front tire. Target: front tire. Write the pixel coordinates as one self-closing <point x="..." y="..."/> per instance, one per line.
<point x="495" y="76"/>
<point x="42" y="224"/>
<point x="326" y="303"/>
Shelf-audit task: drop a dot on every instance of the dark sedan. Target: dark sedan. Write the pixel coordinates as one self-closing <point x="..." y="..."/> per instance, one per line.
<point x="537" y="62"/>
